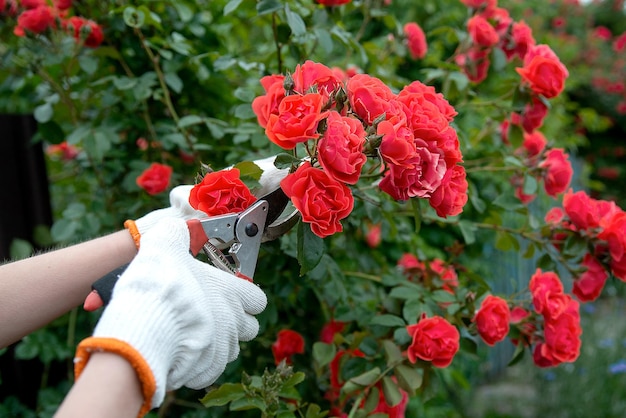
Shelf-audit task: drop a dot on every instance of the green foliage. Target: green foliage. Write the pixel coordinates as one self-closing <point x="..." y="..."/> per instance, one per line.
<point x="174" y="83"/>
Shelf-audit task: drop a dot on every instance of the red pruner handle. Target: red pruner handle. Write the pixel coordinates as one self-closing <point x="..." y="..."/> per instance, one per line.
<point x="197" y="236"/>
<point x="243" y="276"/>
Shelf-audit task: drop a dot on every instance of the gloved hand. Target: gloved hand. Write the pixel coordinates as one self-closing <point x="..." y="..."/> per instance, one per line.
<point x="177" y="320"/>
<point x="179" y="200"/>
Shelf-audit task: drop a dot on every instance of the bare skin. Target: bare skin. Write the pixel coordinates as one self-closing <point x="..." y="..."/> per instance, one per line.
<point x="107" y="388"/>
<point x="37" y="290"/>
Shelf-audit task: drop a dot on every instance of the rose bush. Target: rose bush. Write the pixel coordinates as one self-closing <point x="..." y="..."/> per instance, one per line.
<point x="376" y="298"/>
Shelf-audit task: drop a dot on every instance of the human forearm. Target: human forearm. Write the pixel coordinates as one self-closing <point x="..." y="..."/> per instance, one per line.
<point x="107" y="387"/>
<point x="36" y="290"/>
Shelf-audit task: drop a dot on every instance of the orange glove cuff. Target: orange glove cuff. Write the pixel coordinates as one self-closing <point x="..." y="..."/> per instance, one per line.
<point x="112" y="345"/>
<point x="134" y="232"/>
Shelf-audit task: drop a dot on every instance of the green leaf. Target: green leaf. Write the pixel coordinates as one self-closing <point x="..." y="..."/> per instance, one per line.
<point x="189" y="120"/>
<point x="506" y="241"/>
<point x="391" y="392"/>
<point x="314" y="411"/>
<point x="51" y="132"/>
<point x="372" y="400"/>
<point x="530" y="185"/>
<point x="43" y="113"/>
<point x="404" y="292"/>
<point x="393" y="354"/>
<point x="518" y="355"/>
<point x="295" y="379"/>
<point x="174" y="82"/>
<point x="268" y="6"/>
<point x="468" y="230"/>
<point x="249" y="171"/>
<point x="133" y="17"/>
<point x="310" y="248"/>
<point x="409" y="378"/>
<point x="508" y="202"/>
<point x="63" y="230"/>
<point x="226" y="393"/>
<point x="20" y="249"/>
<point x="417" y="214"/>
<point x="88" y="63"/>
<point x="441" y="296"/>
<point x="231" y="6"/>
<point x="367" y="378"/>
<point x="388" y="320"/>
<point x="184" y="11"/>
<point x="284" y="160"/>
<point x="246" y="403"/>
<point x="323" y="353"/>
<point x="124" y="83"/>
<point x="546" y="263"/>
<point x="295" y="22"/>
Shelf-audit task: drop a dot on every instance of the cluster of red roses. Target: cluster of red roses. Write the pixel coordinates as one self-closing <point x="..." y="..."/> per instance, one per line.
<point x="603" y="224"/>
<point x="550" y="165"/>
<point x="542" y="72"/>
<point x="555" y="338"/>
<point x="341" y="120"/>
<point x="37" y="16"/>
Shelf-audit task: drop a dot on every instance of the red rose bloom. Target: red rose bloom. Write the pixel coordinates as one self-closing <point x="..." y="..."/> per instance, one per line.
<point x="340" y="151"/>
<point x="534" y="143"/>
<point x="589" y="285"/>
<point x="369" y="97"/>
<point x="522" y="40"/>
<point x="321" y="200"/>
<point x="287" y="344"/>
<point x="332" y="2"/>
<point x="481" y="31"/>
<point x="314" y="74"/>
<point x="547" y="293"/>
<point x="34" y="20"/>
<point x="155" y="178"/>
<point x="450" y="198"/>
<point x="32" y="4"/>
<point x="562" y="335"/>
<point x="62" y="4"/>
<point x="266" y="105"/>
<point x="374" y="236"/>
<point x="330" y="329"/>
<point x="533" y="115"/>
<point x="221" y="192"/>
<point x="416" y="40"/>
<point x="543" y="71"/>
<point x="492" y="319"/>
<point x="296" y="121"/>
<point x="80" y="27"/>
<point x="428" y="93"/>
<point x="434" y="339"/>
<point x="581" y="210"/>
<point x="474" y="64"/>
<point x="558" y="173"/>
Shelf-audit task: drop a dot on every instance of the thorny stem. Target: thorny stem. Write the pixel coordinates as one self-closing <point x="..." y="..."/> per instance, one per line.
<point x="167" y="97"/>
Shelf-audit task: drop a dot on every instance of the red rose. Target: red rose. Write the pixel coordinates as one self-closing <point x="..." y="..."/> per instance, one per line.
<point x="481" y="31"/>
<point x="321" y="200"/>
<point x="32" y="4"/>
<point x="424" y="117"/>
<point x="480" y="4"/>
<point x="410" y="265"/>
<point x="521" y="41"/>
<point x="543" y="71"/>
<point x="589" y="285"/>
<point x="492" y="319"/>
<point x="581" y="210"/>
<point x="532" y="116"/>
<point x="474" y="64"/>
<point x="221" y="192"/>
<point x="314" y="74"/>
<point x="335" y="376"/>
<point x="434" y="339"/>
<point x="534" y="143"/>
<point x="559" y="172"/>
<point x="396" y="411"/>
<point x="296" y="121"/>
<point x="547" y="293"/>
<point x="416" y="40"/>
<point x="446" y="273"/>
<point x="614" y="233"/>
<point x="333" y="2"/>
<point x="368" y="97"/>
<point x="430" y="94"/>
<point x="374" y="236"/>
<point x="562" y="335"/>
<point x="155" y="178"/>
<point x="554" y="216"/>
<point x="266" y="105"/>
<point x="340" y="150"/>
<point x="62" y="4"/>
<point x="80" y="27"/>
<point x="34" y="20"/>
<point x="287" y="344"/>
<point x="327" y="334"/>
<point x="66" y="151"/>
<point x="451" y="196"/>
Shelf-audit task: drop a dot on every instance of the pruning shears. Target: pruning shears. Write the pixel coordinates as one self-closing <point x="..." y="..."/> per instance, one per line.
<point x="231" y="242"/>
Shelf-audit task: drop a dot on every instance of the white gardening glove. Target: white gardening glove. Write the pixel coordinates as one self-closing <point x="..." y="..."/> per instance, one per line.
<point x="177" y="320"/>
